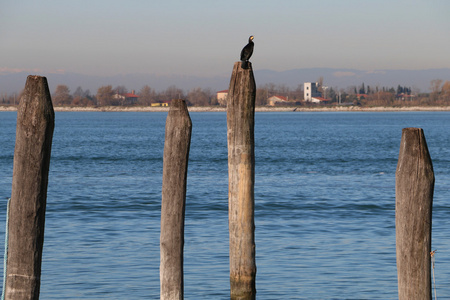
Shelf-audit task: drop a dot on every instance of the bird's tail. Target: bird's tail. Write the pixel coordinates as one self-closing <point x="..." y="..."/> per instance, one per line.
<point x="244" y="64"/>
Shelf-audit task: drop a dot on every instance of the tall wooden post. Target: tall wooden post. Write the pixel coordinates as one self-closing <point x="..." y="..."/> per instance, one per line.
<point x="34" y="133"/>
<point x="413" y="209"/>
<point x="241" y="181"/>
<point x="175" y="165"/>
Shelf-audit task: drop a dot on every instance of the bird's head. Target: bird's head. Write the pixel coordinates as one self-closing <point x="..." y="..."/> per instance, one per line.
<point x="251" y="38"/>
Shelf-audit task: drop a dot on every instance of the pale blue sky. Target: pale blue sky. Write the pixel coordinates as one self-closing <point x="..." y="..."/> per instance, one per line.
<point x="205" y="37"/>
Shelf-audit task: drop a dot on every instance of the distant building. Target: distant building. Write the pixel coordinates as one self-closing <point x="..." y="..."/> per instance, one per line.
<point x="361" y="96"/>
<point x="404" y="96"/>
<point x="162" y="103"/>
<point x="277" y="100"/>
<point x="222" y="97"/>
<point x="319" y="100"/>
<point x="310" y="90"/>
<point x="128" y="98"/>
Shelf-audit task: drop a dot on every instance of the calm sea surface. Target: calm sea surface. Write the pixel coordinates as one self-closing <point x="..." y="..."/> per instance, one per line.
<point x="324" y="192"/>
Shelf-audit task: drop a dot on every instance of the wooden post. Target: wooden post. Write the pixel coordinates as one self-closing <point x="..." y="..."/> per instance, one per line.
<point x="175" y="165"/>
<point x="413" y="206"/>
<point x="241" y="182"/>
<point x="34" y="133"/>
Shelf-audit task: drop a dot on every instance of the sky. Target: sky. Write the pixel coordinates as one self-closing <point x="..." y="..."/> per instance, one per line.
<point x="205" y="37"/>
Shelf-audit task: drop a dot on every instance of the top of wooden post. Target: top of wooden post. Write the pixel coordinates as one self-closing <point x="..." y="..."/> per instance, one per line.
<point x="178" y="104"/>
<point x="242" y="84"/>
<point x="414" y="150"/>
<point x="36" y="100"/>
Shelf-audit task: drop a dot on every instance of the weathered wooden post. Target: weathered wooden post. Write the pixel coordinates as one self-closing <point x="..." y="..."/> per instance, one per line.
<point x="175" y="165"/>
<point x="413" y="209"/>
<point x="241" y="181"/>
<point x="26" y="219"/>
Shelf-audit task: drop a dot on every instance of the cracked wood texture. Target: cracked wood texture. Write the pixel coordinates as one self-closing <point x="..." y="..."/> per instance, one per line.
<point x="34" y="133"/>
<point x="241" y="181"/>
<point x="414" y="188"/>
<point x="175" y="165"/>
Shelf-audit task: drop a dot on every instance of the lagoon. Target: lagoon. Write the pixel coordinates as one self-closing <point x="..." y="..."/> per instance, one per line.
<point x="324" y="194"/>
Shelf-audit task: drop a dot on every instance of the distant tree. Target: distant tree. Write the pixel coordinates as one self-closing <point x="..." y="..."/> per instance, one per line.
<point x="83" y="101"/>
<point x="352" y="90"/>
<point x="171" y="93"/>
<point x="62" y="96"/>
<point x="362" y="89"/>
<point x="83" y="94"/>
<point x="264" y="92"/>
<point x="261" y="96"/>
<point x="291" y="94"/>
<point x="400" y="89"/>
<point x="146" y="96"/>
<point x="351" y="98"/>
<point x="120" y="89"/>
<point x="199" y="97"/>
<point x="435" y="89"/>
<point x="435" y="85"/>
<point x="342" y="95"/>
<point x="331" y="94"/>
<point x="213" y="97"/>
<point x="299" y="92"/>
<point x="78" y="92"/>
<point x="407" y="90"/>
<point x="271" y="89"/>
<point x="445" y="91"/>
<point x="387" y="97"/>
<point x="82" y="98"/>
<point x="320" y="84"/>
<point x="283" y="90"/>
<point x="104" y="95"/>
<point x="12" y="99"/>
<point x="15" y="99"/>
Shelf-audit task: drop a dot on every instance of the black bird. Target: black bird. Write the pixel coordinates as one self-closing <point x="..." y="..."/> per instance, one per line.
<point x="247" y="52"/>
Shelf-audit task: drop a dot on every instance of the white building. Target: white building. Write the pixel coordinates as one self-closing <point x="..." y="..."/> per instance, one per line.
<point x="310" y="91"/>
<point x="222" y="97"/>
<point x="319" y="100"/>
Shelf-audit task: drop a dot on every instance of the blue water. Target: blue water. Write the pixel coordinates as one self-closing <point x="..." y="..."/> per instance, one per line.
<point x="324" y="192"/>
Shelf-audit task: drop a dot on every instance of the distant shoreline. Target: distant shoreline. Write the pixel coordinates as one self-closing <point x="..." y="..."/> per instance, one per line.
<point x="257" y="109"/>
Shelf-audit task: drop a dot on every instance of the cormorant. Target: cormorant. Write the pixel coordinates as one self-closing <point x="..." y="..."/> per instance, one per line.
<point x="247" y="52"/>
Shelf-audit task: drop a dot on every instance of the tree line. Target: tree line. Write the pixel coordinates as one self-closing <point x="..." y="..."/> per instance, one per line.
<point x="401" y="95"/>
<point x="364" y="95"/>
<point x="107" y="96"/>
